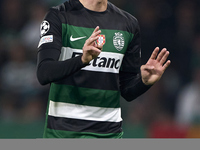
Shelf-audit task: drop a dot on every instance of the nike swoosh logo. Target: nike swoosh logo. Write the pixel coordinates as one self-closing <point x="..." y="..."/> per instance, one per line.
<point x="75" y="39"/>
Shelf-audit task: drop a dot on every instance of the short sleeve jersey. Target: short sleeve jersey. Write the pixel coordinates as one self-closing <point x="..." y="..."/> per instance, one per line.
<point x="86" y="104"/>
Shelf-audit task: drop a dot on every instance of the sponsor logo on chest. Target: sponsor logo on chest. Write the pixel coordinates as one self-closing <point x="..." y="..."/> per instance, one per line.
<point x="105" y="62"/>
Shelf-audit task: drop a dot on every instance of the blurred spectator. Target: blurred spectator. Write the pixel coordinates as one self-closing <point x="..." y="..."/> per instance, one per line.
<point x="8" y="107"/>
<point x="13" y="16"/>
<point x="33" y="110"/>
<point x="30" y="34"/>
<point x="188" y="106"/>
<point x="18" y="78"/>
<point x="148" y="19"/>
<point x="186" y="20"/>
<point x="3" y="53"/>
<point x="185" y="30"/>
<point x="18" y="74"/>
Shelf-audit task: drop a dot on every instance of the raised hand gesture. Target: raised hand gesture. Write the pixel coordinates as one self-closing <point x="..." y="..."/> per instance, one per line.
<point x="91" y="49"/>
<point x="153" y="70"/>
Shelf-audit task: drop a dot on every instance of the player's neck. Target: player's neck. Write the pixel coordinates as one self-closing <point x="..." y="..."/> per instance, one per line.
<point x="95" y="5"/>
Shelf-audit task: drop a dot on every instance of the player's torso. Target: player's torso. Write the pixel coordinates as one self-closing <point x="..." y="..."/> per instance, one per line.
<point x="92" y="94"/>
<point x="77" y="27"/>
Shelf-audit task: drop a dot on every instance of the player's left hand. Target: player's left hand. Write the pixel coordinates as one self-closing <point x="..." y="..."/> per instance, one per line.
<point x="153" y="70"/>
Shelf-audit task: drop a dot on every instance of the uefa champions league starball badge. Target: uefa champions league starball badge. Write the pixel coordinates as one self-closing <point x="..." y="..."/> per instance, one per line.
<point x="44" y="28"/>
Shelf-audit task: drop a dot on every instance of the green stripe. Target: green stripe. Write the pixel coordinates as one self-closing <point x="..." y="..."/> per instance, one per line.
<point x="46" y="117"/>
<point x="50" y="133"/>
<point x="84" y="96"/>
<point x="68" y="30"/>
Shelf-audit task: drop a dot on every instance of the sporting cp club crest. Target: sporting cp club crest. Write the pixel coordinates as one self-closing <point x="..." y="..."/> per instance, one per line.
<point x="101" y="39"/>
<point x="118" y="41"/>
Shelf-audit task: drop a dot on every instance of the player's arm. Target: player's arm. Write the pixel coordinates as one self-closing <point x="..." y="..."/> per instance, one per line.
<point x="49" y="69"/>
<point x="136" y="79"/>
<point x="131" y="84"/>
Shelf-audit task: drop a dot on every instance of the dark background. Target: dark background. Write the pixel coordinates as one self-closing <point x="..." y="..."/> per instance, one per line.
<point x="170" y="109"/>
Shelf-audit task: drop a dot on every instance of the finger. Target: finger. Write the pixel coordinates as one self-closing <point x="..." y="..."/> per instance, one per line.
<point x="164" y="58"/>
<point x="96" y="32"/>
<point x="166" y="65"/>
<point x="154" y="53"/>
<point x="96" y="29"/>
<point x="147" y="67"/>
<point x="93" y="49"/>
<point x="161" y="54"/>
<point x="90" y="40"/>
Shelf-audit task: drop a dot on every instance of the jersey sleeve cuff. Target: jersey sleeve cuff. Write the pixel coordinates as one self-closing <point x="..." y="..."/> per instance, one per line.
<point x="80" y="62"/>
<point x="143" y="86"/>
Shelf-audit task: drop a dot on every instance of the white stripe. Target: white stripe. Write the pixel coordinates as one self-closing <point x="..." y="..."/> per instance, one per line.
<point x="66" y="110"/>
<point x="66" y="53"/>
<point x="112" y="61"/>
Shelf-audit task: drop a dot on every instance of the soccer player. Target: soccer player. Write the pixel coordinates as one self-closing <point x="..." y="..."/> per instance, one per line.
<point x="90" y="54"/>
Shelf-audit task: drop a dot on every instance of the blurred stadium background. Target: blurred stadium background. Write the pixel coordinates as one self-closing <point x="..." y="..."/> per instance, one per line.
<point x="170" y="109"/>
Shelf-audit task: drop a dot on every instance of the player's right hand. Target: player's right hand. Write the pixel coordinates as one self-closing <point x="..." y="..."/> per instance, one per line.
<point x="91" y="49"/>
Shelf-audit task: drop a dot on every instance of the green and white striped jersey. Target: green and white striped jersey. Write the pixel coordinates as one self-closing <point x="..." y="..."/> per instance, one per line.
<point x="86" y="104"/>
